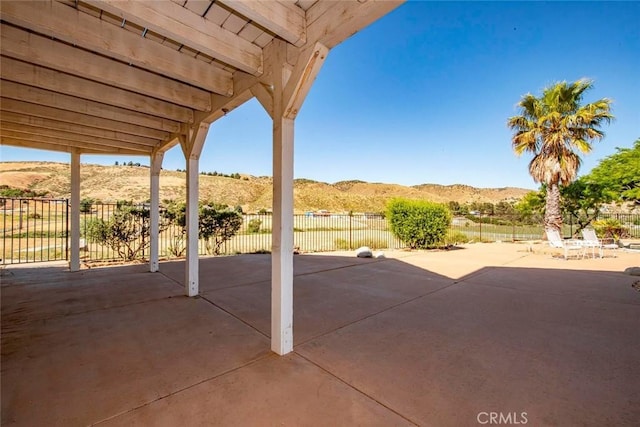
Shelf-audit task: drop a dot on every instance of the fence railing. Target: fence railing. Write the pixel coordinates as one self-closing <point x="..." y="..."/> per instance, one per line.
<point x="35" y="230"/>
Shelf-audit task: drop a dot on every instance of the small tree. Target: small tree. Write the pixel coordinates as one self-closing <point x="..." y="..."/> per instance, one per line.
<point x="619" y="174"/>
<point x="217" y="226"/>
<point x="582" y="201"/>
<point x="419" y="224"/>
<point x="175" y="214"/>
<point x="126" y="232"/>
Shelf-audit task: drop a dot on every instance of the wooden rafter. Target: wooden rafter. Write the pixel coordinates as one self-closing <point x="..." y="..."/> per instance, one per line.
<point x="90" y="109"/>
<point x="68" y="24"/>
<point x="27" y="109"/>
<point x="25" y="46"/>
<point x="75" y="128"/>
<point x="140" y="72"/>
<point x="184" y="26"/>
<point x="33" y="75"/>
<point x="280" y="17"/>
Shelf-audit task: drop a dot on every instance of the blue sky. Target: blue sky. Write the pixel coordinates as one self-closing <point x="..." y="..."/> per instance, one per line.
<point x="423" y="95"/>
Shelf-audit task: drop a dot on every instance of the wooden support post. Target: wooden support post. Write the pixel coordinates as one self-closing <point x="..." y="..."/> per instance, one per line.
<point x="74" y="261"/>
<point x="290" y="87"/>
<point x="282" y="251"/>
<point x="192" y="147"/>
<point x="156" y="167"/>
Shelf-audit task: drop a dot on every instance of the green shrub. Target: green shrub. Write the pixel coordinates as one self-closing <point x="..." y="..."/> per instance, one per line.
<point x="418" y="223"/>
<point x="254" y="226"/>
<point x="217" y="226"/>
<point x="609" y="229"/>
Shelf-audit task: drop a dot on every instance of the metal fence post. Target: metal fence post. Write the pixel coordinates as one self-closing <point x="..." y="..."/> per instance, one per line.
<point x="66" y="231"/>
<point x="350" y="230"/>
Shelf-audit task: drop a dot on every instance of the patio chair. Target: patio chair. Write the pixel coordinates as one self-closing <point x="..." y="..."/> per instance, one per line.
<point x="568" y="246"/>
<point x="592" y="241"/>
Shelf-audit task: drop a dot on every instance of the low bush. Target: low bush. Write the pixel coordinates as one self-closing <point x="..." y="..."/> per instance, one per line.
<point x="343" y="244"/>
<point x="419" y="224"/>
<point x="609" y="229"/>
<point x="254" y="226"/>
<point x="455" y="238"/>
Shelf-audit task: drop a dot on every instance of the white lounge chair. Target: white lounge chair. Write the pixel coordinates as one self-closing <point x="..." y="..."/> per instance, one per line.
<point x="592" y="241"/>
<point x="568" y="246"/>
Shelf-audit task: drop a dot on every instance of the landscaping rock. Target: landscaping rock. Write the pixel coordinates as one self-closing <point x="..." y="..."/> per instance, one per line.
<point x="379" y="255"/>
<point x="632" y="271"/>
<point x="364" y="252"/>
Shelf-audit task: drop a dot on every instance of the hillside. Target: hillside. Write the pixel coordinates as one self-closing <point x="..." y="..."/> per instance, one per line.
<point x="111" y="183"/>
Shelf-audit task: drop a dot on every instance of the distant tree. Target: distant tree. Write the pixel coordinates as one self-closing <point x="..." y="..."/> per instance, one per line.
<point x="11" y="192"/>
<point x="554" y="127"/>
<point x="531" y="207"/>
<point x="454" y="206"/>
<point x="503" y="208"/>
<point x="86" y="204"/>
<point x="487" y="208"/>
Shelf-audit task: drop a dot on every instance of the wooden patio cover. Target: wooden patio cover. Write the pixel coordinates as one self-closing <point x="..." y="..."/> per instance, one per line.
<point x="138" y="77"/>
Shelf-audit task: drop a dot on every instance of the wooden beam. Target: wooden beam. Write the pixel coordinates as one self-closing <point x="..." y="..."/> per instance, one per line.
<point x="28" y="109"/>
<point x="35" y="49"/>
<point x="66" y="23"/>
<point x="53" y="144"/>
<point x="75" y="128"/>
<point x="221" y="105"/>
<point x="184" y="26"/>
<point x="44" y="78"/>
<point x="264" y="97"/>
<point x="302" y="78"/>
<point x="282" y="18"/>
<point x="59" y="137"/>
<point x="64" y="102"/>
<point x="331" y="22"/>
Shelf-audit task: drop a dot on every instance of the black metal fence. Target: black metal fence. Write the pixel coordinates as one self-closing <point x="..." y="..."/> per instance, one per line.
<point x="35" y="230"/>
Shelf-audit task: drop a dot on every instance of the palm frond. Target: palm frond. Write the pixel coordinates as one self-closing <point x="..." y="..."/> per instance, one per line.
<point x="555" y="126"/>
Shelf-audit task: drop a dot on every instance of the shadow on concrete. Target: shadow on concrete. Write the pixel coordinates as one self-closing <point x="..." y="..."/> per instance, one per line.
<point x="377" y="342"/>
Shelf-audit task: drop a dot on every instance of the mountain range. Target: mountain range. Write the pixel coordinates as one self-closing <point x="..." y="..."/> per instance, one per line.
<point x="112" y="183"/>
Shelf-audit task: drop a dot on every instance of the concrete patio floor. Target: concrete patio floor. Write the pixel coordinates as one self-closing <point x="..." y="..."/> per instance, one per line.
<point x="417" y="338"/>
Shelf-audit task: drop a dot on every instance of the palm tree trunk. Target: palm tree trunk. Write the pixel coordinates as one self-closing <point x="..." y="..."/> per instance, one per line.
<point x="552" y="215"/>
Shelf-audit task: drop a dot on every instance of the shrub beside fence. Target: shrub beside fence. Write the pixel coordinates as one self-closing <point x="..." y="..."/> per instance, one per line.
<point x="35" y="230"/>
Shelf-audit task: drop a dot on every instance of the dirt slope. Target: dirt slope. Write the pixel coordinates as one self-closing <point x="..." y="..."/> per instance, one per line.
<point x="111" y="183"/>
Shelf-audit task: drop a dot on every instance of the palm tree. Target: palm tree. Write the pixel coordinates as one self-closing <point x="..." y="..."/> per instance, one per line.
<point x="554" y="127"/>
